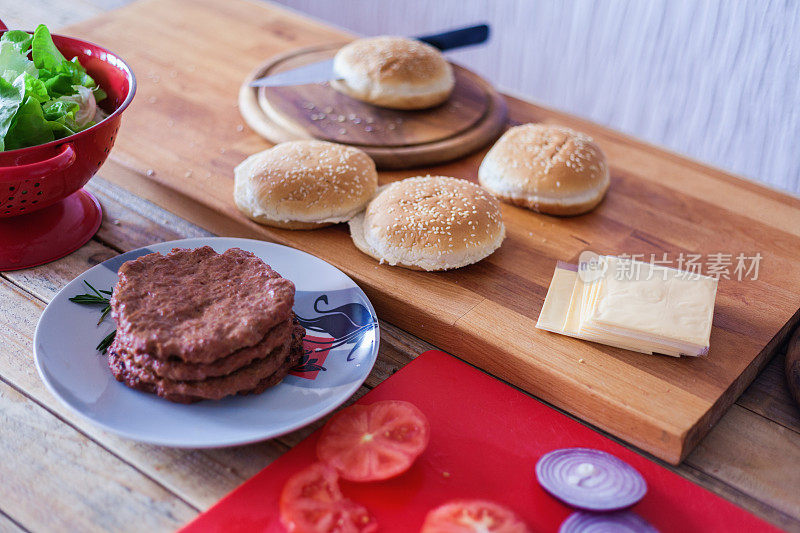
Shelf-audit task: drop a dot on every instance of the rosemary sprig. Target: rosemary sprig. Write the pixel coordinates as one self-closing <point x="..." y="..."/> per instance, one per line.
<point x="97" y="297"/>
<point x="106" y="342"/>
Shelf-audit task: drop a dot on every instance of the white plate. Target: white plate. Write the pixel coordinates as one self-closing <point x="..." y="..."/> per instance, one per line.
<point x="334" y="310"/>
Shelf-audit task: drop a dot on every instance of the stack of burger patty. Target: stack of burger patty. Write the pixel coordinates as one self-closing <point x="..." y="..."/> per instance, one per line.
<point x="195" y="325"/>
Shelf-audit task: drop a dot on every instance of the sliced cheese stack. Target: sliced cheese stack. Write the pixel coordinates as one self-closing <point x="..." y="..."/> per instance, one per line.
<point x="632" y="305"/>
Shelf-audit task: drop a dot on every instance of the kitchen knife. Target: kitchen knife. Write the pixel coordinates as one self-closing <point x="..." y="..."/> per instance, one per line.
<point x="323" y="70"/>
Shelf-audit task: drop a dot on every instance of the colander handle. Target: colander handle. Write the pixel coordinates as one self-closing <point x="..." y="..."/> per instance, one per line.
<point x="3" y="26"/>
<point x="40" y="169"/>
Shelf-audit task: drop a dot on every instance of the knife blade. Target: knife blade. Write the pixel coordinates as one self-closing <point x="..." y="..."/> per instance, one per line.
<point x="323" y="70"/>
<point x="311" y="73"/>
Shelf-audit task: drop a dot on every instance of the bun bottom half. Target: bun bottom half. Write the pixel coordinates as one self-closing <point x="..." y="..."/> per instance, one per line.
<point x="289" y="224"/>
<point x="393" y="99"/>
<point x="493" y="179"/>
<point x="357" y="234"/>
<point x="248" y="210"/>
<point x="562" y="207"/>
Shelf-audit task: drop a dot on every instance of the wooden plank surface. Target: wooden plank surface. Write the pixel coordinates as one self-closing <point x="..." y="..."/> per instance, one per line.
<point x="199" y="477"/>
<point x="658" y="203"/>
<point x="44" y="451"/>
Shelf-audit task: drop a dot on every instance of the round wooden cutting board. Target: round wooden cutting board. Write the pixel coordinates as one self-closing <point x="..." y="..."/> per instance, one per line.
<point x="472" y="117"/>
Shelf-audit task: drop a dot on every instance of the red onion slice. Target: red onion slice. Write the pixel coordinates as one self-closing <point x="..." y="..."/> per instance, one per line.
<point x="619" y="522"/>
<point x="590" y="479"/>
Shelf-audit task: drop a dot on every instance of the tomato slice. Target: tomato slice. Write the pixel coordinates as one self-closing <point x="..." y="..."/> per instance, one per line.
<point x="311" y="502"/>
<point x="468" y="516"/>
<point x="374" y="442"/>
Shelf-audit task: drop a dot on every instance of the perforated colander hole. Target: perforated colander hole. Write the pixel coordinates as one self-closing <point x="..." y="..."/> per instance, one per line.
<point x="39" y="193"/>
<point x="36" y="184"/>
<point x="11" y="189"/>
<point x="10" y="198"/>
<point x="24" y="192"/>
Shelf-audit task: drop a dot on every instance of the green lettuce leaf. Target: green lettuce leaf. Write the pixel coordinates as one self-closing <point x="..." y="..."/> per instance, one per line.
<point x="61" y="127"/>
<point x="56" y="109"/>
<point x="13" y="63"/>
<point x="99" y="94"/>
<point x="60" y="115"/>
<point x="21" y="39"/>
<point x="58" y="84"/>
<point x="36" y="88"/>
<point x="11" y="95"/>
<point x="78" y="73"/>
<point x="29" y="128"/>
<point x="53" y="64"/>
<point x="84" y="104"/>
<point x="46" y="98"/>
<point x="44" y="51"/>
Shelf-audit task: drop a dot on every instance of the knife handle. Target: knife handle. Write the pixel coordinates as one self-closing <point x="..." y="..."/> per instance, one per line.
<point x="458" y="38"/>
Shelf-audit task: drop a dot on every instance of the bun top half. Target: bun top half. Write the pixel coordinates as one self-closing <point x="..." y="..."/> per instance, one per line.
<point x="548" y="168"/>
<point x="314" y="182"/>
<point x="430" y="223"/>
<point x="393" y="72"/>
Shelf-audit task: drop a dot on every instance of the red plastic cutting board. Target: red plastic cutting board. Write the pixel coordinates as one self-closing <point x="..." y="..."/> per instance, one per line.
<point x="485" y="440"/>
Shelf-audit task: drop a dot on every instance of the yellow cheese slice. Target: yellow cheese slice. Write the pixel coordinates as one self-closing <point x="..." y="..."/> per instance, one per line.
<point x="650" y="309"/>
<point x="658" y="303"/>
<point x="556" y="303"/>
<point x="561" y="311"/>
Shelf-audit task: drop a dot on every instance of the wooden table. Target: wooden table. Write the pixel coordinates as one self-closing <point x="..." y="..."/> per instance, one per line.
<point x="58" y="472"/>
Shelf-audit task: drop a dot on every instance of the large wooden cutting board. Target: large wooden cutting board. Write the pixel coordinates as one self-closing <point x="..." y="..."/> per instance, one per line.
<point x="183" y="135"/>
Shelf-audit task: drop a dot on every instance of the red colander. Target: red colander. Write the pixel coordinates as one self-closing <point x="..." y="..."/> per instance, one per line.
<point x="44" y="212"/>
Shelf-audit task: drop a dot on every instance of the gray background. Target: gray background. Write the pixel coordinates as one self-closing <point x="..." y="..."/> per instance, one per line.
<point x="718" y="81"/>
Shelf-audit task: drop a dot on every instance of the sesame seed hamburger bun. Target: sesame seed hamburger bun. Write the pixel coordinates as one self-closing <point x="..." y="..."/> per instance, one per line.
<point x="304" y="184"/>
<point x="393" y="72"/>
<point x="429" y="223"/>
<point x="550" y="169"/>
